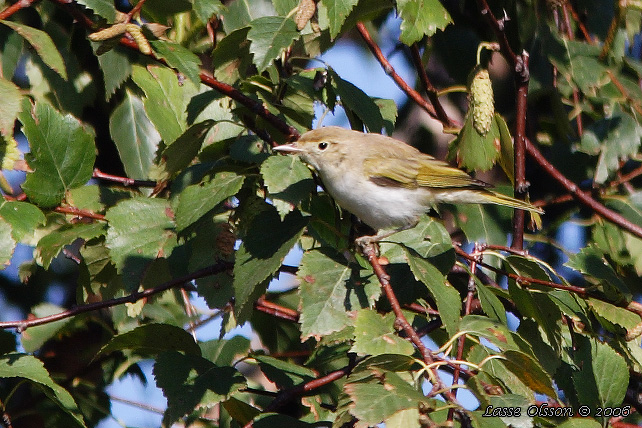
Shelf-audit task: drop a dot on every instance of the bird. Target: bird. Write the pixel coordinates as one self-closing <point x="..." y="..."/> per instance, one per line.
<point x="387" y="183"/>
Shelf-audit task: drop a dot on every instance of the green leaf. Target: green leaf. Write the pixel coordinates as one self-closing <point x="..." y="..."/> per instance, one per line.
<point x="421" y="18"/>
<point x="153" y="339"/>
<point x="482" y="223"/>
<point x="135" y="136"/>
<point x="225" y="352"/>
<point x="375" y="402"/>
<point x="116" y="66"/>
<point x="266" y="244"/>
<point x="7" y="244"/>
<point x="272" y="420"/>
<point x="338" y="11"/>
<point x="355" y="100"/>
<point x="615" y="138"/>
<point x="104" y="8"/>
<point x="491" y="305"/>
<point x="191" y="382"/>
<point x="205" y="9"/>
<point x="603" y="378"/>
<point x="473" y="151"/>
<point x="43" y="45"/>
<point x="288" y="181"/>
<point x="270" y="36"/>
<point x="529" y="371"/>
<point x="375" y="335"/>
<point x="33" y="338"/>
<point x="10" y="107"/>
<point x="198" y="199"/>
<point x="231" y="57"/>
<point x="23" y="218"/>
<point x="496" y="333"/>
<point x="284" y="374"/>
<point x="180" y="58"/>
<point x="24" y="366"/>
<point x="62" y="154"/>
<point x="327" y="293"/>
<point x="164" y="102"/>
<point x="180" y="153"/>
<point x="50" y="245"/>
<point x="592" y="262"/>
<point x="446" y="296"/>
<point x="140" y="230"/>
<point x="241" y="12"/>
<point x="611" y="314"/>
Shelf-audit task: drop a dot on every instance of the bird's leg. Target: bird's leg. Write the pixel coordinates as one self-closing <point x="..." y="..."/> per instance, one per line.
<point x="364" y="241"/>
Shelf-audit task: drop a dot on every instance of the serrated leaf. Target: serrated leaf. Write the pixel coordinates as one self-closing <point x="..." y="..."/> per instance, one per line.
<point x="205" y="9"/>
<point x="50" y="245"/>
<point x="22" y="216"/>
<point x="604" y="377"/>
<point x="591" y="261"/>
<point x="104" y="8"/>
<point x="626" y="320"/>
<point x="198" y="199"/>
<point x="498" y="334"/>
<point x="421" y="18"/>
<point x="43" y="45"/>
<point x="327" y="294"/>
<point x="374" y="402"/>
<point x="481" y="223"/>
<point x="270" y="36"/>
<point x="262" y="252"/>
<point x="287" y="180"/>
<point x="140" y="230"/>
<point x="615" y="139"/>
<point x="191" y="382"/>
<point x="491" y="305"/>
<point x="9" y="107"/>
<point x="62" y="154"/>
<point x="179" y="58"/>
<point x="135" y="136"/>
<point x="24" y="366"/>
<point x="152" y="339"/>
<point x="338" y="11"/>
<point x="164" y="100"/>
<point x="375" y="335"/>
<point x="116" y="66"/>
<point x="446" y="296"/>
<point x="225" y="352"/>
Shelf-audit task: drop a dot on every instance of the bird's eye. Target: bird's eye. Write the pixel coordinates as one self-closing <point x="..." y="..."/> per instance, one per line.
<point x="323" y="146"/>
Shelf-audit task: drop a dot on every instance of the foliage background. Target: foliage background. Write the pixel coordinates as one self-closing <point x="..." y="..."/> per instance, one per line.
<point x="145" y="138"/>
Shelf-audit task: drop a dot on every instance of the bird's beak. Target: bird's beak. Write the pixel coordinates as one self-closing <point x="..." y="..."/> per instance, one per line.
<point x="288" y="148"/>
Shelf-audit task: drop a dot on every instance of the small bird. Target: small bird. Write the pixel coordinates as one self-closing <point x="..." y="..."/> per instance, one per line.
<point x="387" y="183"/>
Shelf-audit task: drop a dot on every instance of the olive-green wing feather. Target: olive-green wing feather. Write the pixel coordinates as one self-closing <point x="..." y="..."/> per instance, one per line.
<point x="419" y="171"/>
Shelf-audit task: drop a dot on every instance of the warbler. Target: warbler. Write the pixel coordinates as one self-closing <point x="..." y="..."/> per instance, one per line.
<point x="385" y="182"/>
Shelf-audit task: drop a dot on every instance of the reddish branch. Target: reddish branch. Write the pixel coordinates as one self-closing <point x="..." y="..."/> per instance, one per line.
<point x="384" y="280"/>
<point x="20" y="4"/>
<point x="79" y="212"/>
<point x="582" y="196"/>
<point x="389" y="69"/>
<point x="521" y="185"/>
<point x="125" y="181"/>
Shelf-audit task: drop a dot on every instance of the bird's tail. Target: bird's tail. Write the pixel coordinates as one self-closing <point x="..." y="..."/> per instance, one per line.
<point x="499" y="199"/>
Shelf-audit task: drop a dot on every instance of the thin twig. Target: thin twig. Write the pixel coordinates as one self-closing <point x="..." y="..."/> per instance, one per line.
<point x="390" y="71"/>
<point x="20" y="4"/>
<point x="125" y="181"/>
<point x="22" y="325"/>
<point x="79" y="212"/>
<point x="582" y="196"/>
<point x="431" y="91"/>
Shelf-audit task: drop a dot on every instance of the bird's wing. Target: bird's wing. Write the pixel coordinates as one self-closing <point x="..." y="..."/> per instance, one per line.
<point x="423" y="171"/>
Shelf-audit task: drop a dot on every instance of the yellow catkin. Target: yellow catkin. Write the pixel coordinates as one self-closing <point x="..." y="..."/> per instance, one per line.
<point x="108" y="33"/>
<point x="482" y="102"/>
<point x="140" y="39"/>
<point x="304" y="12"/>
